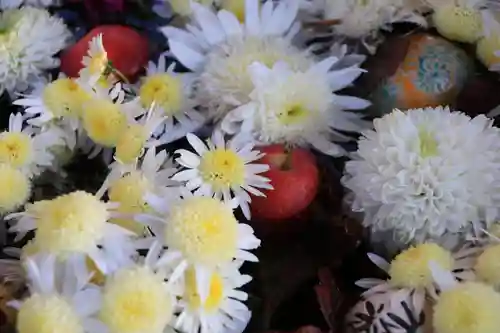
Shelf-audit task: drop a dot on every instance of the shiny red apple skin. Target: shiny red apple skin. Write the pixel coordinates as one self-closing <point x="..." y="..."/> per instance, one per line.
<point x="295" y="187"/>
<point x="127" y="50"/>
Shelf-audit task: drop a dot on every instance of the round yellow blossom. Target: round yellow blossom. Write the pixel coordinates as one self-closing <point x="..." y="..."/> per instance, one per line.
<point x="48" y="314"/>
<point x="16" y="188"/>
<point x="237" y="7"/>
<point x="129" y="191"/>
<point x="183" y="7"/>
<point x="215" y="294"/>
<point x="495" y="229"/>
<point x="165" y="90"/>
<point x="204" y="230"/>
<point x="104" y="121"/>
<point x="469" y="307"/>
<point x="73" y="222"/>
<point x="486" y="48"/>
<point x="136" y="300"/>
<point x="16" y="149"/>
<point x="410" y="268"/>
<point x="64" y="97"/>
<point x="222" y="169"/>
<point x="131" y="143"/>
<point x="488" y="266"/>
<point x="458" y="24"/>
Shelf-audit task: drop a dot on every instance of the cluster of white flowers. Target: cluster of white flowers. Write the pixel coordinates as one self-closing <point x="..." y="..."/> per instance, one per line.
<point x="30" y="39"/>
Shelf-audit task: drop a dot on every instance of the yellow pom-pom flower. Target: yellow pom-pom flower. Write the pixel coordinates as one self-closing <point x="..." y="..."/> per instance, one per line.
<point x="136" y="300"/>
<point x="64" y="98"/>
<point x="488" y="265"/>
<point x="104" y="121"/>
<point x="458" y="24"/>
<point x="163" y="89"/>
<point x="48" y="314"/>
<point x="16" y="188"/>
<point x="410" y="268"/>
<point x="486" y="49"/>
<point x="129" y="192"/>
<point x="131" y="143"/>
<point x="16" y="149"/>
<point x="73" y="222"/>
<point x="204" y="230"/>
<point x="469" y="307"/>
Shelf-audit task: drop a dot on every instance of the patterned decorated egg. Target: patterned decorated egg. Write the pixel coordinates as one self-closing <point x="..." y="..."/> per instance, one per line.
<point x="416" y="71"/>
<point x="388" y="312"/>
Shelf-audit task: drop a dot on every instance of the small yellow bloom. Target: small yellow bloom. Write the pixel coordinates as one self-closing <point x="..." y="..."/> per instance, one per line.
<point x="488" y="265"/>
<point x="64" y="97"/>
<point x="165" y="90"/>
<point x="104" y="121"/>
<point x="469" y="307"/>
<point x="131" y="144"/>
<point x="16" y="188"/>
<point x="16" y="149"/>
<point x="458" y="24"/>
<point x="486" y="49"/>
<point x="410" y="268"/>
<point x="222" y="169"/>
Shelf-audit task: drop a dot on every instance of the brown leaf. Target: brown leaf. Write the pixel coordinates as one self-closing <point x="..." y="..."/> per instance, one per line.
<point x="282" y="269"/>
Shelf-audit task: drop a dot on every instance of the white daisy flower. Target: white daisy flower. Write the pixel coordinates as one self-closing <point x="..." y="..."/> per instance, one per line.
<point x="77" y="223"/>
<point x="95" y="63"/>
<point x="219" y="48"/>
<point x="136" y="299"/>
<point x="417" y="173"/>
<point x="31" y="40"/>
<point x="199" y="232"/>
<point x="223" y="170"/>
<point x="364" y="20"/>
<point x="128" y="186"/>
<point x="9" y="4"/>
<point x="286" y="108"/>
<point x="22" y="148"/>
<point x="57" y="302"/>
<point x="57" y="103"/>
<point x="223" y="311"/>
<point x="171" y="94"/>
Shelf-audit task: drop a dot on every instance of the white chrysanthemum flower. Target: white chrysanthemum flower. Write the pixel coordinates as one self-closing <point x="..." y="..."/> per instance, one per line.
<point x="129" y="186"/>
<point x="22" y="149"/>
<point x="286" y="108"/>
<point x="136" y="299"/>
<point x="426" y="172"/>
<point x="31" y="39"/>
<point x="223" y="170"/>
<point x="220" y="49"/>
<point x="77" y="223"/>
<point x="222" y="311"/>
<point x="171" y="95"/>
<point x="10" y="4"/>
<point x="200" y="232"/>
<point x="364" y="20"/>
<point x="60" y="300"/>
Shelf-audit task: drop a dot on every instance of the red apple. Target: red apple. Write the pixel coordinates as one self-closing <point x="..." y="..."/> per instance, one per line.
<point x="294" y="176"/>
<point x="126" y="48"/>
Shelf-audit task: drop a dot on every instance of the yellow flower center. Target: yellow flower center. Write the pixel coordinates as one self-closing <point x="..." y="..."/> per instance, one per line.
<point x="16" y="149"/>
<point x="459" y="24"/>
<point x="222" y="169"/>
<point x="98" y="63"/>
<point x="131" y="143"/>
<point x="183" y="7"/>
<point x="469" y="307"/>
<point x="215" y="296"/>
<point x="73" y="222"/>
<point x="292" y="115"/>
<point x="237" y="7"/>
<point x="48" y="314"/>
<point x="488" y="266"/>
<point x="104" y="121"/>
<point x="204" y="229"/>
<point x="428" y="144"/>
<point x="16" y="188"/>
<point x="64" y="97"/>
<point x="486" y="48"/>
<point x="129" y="191"/>
<point x="136" y="300"/>
<point x="163" y="89"/>
<point x="410" y="268"/>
